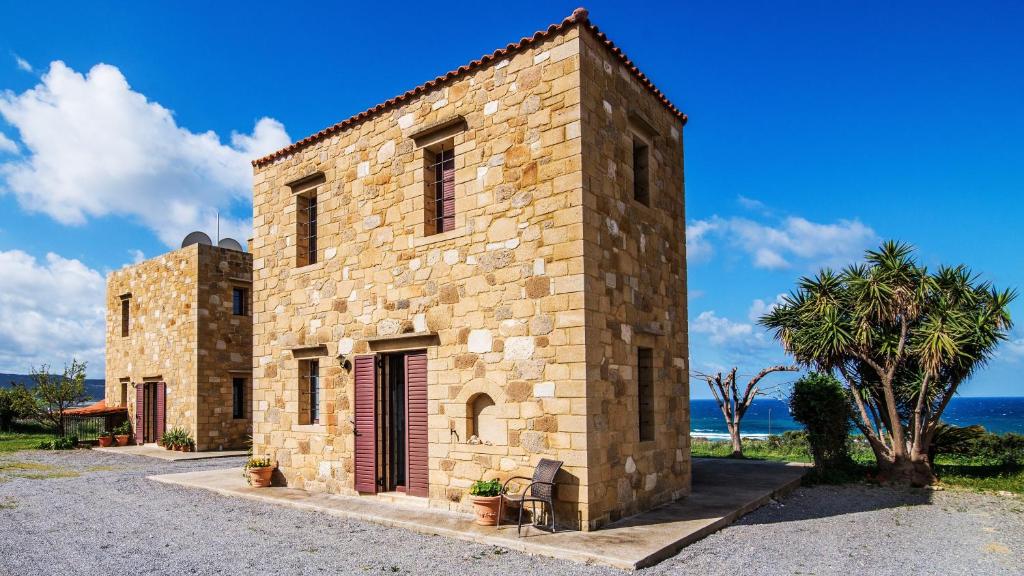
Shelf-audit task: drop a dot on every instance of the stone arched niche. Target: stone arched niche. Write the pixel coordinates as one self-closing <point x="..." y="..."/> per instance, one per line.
<point x="485" y="421"/>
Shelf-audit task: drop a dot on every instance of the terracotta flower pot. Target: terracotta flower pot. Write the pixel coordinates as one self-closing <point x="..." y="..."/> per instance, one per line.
<point x="123" y="439"/>
<point x="179" y="448"/>
<point x="486" y="509"/>
<point x="260" y="477"/>
<point x="106" y="441"/>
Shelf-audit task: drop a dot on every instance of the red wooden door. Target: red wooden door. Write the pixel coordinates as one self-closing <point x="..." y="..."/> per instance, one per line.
<point x="366" y="424"/>
<point x="140" y="406"/>
<point x="161" y="410"/>
<point x="416" y="477"/>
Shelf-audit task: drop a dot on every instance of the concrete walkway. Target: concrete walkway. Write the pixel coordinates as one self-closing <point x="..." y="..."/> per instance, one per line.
<point x="154" y="451"/>
<point x="723" y="490"/>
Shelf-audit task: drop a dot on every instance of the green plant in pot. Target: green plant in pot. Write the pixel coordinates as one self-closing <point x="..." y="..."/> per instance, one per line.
<point x="106" y="439"/>
<point x="486" y="495"/>
<point x="123" y="433"/>
<point x="258" y="471"/>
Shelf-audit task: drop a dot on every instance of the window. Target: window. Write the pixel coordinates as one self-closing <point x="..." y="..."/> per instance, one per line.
<point x="641" y="177"/>
<point x="124" y="391"/>
<point x="239" y="301"/>
<point x="309" y="391"/>
<point x="439" y="203"/>
<point x="306" y="241"/>
<point x="238" y="398"/>
<point x="645" y="392"/>
<point x="126" y="318"/>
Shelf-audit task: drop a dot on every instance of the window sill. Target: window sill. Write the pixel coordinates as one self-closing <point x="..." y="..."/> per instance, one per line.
<point x="308" y="267"/>
<point x="311" y="428"/>
<point x="443" y="236"/>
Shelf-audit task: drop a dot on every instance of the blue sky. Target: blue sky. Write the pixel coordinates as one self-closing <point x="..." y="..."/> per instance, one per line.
<point x="816" y="130"/>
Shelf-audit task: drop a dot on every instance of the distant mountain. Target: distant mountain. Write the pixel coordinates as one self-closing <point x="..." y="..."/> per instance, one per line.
<point x="93" y="387"/>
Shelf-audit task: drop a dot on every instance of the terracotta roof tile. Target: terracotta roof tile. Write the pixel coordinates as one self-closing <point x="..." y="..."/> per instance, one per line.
<point x="579" y="16"/>
<point x="96" y="409"/>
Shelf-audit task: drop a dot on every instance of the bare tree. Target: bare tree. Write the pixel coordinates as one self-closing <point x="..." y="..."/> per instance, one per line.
<point x="733" y="405"/>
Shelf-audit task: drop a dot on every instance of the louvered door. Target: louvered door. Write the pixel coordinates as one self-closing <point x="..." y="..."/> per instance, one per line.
<point x="160" y="415"/>
<point x="140" y="407"/>
<point x="417" y="474"/>
<point x="366" y="424"/>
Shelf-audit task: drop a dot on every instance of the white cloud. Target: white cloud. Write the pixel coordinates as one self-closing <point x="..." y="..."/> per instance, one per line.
<point x="97" y="148"/>
<point x="759" y="307"/>
<point x="22" y="63"/>
<point x="721" y="330"/>
<point x="137" y="256"/>
<point x="7" y="145"/>
<point x="1012" y="350"/>
<point x="792" y="240"/>
<point x="50" y="312"/>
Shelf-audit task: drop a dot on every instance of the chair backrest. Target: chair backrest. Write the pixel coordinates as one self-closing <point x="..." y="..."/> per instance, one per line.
<point x="545" y="472"/>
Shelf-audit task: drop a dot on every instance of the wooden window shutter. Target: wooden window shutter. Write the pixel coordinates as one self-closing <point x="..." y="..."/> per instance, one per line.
<point x="366" y="424"/>
<point x="161" y="407"/>
<point x="140" y="403"/>
<point x="448" y="190"/>
<point x="417" y="446"/>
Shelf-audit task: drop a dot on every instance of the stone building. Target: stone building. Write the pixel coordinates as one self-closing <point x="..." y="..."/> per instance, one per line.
<point x="484" y="271"/>
<point x="179" y="345"/>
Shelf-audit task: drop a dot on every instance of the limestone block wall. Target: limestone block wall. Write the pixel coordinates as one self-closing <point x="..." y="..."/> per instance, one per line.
<point x="162" y="339"/>
<point x="635" y="286"/>
<point x="224" y="348"/>
<point x="503" y="291"/>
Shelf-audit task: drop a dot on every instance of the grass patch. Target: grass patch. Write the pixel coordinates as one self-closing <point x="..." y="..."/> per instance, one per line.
<point x="33" y="470"/>
<point x="16" y="441"/>
<point x="8" y="504"/>
<point x="953" y="470"/>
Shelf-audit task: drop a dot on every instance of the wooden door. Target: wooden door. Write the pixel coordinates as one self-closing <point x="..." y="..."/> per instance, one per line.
<point x="140" y="411"/>
<point x="416" y="477"/>
<point x="366" y="423"/>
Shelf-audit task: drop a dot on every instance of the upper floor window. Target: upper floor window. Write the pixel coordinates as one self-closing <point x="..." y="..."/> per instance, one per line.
<point x="126" y="315"/>
<point x="439" y="203"/>
<point x="641" y="175"/>
<point x="239" y="301"/>
<point x="306" y="229"/>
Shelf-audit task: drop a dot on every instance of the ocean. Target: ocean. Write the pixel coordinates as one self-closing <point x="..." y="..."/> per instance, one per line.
<point x="770" y="416"/>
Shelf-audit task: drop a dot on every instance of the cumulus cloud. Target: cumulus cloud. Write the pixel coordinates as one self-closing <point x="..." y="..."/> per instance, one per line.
<point x="698" y="244"/>
<point x="790" y="241"/>
<point x="22" y="63"/>
<point x="7" y="145"/>
<point x="760" y="307"/>
<point x="721" y="330"/>
<point x="1012" y="350"/>
<point x="95" y="147"/>
<point x="137" y="256"/>
<point x="50" y="311"/>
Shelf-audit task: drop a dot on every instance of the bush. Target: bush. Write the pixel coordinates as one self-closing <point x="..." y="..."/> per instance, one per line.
<point x="973" y="442"/>
<point x="66" y="443"/>
<point x="485" y="488"/>
<point x="819" y="402"/>
<point x="125" y="429"/>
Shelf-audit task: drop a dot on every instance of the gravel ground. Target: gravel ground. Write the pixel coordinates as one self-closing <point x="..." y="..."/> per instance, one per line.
<point x="88" y="512"/>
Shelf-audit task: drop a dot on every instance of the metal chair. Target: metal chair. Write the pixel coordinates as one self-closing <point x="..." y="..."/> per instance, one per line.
<point x="541" y="489"/>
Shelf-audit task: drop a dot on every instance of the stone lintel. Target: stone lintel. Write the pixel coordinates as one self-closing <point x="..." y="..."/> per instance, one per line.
<point x="439" y="130"/>
<point x="408" y="341"/>
<point x="309" y="351"/>
<point x="652" y="328"/>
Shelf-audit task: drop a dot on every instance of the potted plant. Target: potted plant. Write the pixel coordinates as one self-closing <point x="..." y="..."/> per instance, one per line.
<point x="258" y="471"/>
<point x="106" y="439"/>
<point x="485" y="495"/>
<point x="123" y="433"/>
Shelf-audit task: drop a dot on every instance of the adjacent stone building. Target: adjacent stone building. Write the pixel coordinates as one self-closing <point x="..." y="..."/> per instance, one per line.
<point x="484" y="271"/>
<point x="179" y="345"/>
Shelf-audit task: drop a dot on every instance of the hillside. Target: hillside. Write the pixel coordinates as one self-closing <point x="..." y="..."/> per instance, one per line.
<point x="93" y="386"/>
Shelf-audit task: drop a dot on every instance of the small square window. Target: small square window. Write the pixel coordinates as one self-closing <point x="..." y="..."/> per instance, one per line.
<point x="239" y="301"/>
<point x="641" y="175"/>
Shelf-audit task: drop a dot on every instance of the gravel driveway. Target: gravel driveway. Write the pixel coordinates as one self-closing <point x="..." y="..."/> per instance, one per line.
<point x="87" y="512"/>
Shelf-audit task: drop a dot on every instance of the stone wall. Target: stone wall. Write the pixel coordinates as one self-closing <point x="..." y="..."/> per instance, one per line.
<point x="161" y="344"/>
<point x="225" y="348"/>
<point x="502" y="292"/>
<point x="182" y="332"/>
<point x="635" y="291"/>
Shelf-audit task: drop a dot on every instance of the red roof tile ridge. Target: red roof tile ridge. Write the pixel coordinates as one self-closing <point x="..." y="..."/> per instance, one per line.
<point x="579" y="16"/>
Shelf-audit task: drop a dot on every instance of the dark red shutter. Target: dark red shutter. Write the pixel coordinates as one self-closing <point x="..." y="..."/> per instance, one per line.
<point x="140" y="403"/>
<point x="366" y="424"/>
<point x="417" y="476"/>
<point x="161" y="408"/>
<point x="448" y="191"/>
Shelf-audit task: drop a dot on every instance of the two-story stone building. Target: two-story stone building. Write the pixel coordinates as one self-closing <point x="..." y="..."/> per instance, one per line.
<point x="179" y="345"/>
<point x="484" y="271"/>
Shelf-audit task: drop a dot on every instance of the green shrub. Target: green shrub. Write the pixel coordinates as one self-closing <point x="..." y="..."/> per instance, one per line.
<point x="65" y="443"/>
<point x="125" y="429"/>
<point x="819" y="402"/>
<point x="485" y="488"/>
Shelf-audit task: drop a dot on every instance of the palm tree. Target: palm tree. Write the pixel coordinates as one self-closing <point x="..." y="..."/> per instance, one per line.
<point x="901" y="338"/>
